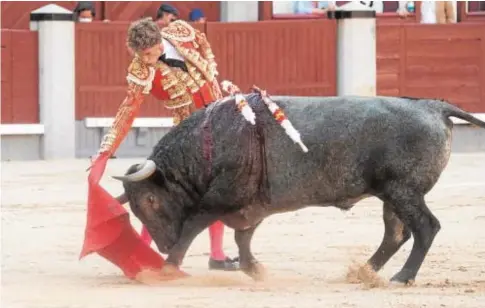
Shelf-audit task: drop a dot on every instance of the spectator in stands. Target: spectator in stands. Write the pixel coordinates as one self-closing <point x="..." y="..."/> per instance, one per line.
<point x="84" y="11"/>
<point x="196" y="15"/>
<point x="313" y="7"/>
<point x="166" y="14"/>
<point x="378" y="7"/>
<point x="437" y="12"/>
<point x="406" y="7"/>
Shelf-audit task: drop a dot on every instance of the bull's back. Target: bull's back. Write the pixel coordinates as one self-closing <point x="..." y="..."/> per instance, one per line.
<point x="351" y="141"/>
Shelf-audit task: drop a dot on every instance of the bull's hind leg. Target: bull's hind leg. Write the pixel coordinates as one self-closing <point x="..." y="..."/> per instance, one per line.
<point x="247" y="262"/>
<point x="415" y="214"/>
<point x="395" y="235"/>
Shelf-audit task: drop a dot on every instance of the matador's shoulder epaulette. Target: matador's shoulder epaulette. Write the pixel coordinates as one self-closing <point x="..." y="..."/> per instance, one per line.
<point x="141" y="74"/>
<point x="179" y="31"/>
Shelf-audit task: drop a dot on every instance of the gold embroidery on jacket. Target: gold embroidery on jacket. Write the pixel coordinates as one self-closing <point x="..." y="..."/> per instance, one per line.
<point x="141" y="74"/>
<point x="123" y="119"/>
<point x="177" y="102"/>
<point x="186" y="79"/>
<point x="177" y="90"/>
<point x="216" y="90"/>
<point x="195" y="57"/>
<point x="180" y="114"/>
<point x="196" y="75"/>
<point x="200" y="62"/>
<point x="179" y="31"/>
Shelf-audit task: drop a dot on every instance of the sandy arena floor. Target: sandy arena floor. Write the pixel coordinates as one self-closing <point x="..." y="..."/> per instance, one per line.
<point x="307" y="253"/>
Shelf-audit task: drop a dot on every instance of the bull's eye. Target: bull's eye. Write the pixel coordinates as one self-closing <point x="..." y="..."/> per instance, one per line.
<point x="149" y="202"/>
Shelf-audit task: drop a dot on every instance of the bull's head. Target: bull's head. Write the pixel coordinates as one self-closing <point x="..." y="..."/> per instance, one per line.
<point x="151" y="203"/>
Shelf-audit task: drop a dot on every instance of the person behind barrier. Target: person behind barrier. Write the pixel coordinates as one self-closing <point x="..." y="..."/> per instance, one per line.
<point x="84" y="11"/>
<point x="313" y="7"/>
<point x="196" y="15"/>
<point x="166" y="14"/>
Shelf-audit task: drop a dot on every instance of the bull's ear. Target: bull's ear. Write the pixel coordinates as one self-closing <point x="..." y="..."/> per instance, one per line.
<point x="158" y="177"/>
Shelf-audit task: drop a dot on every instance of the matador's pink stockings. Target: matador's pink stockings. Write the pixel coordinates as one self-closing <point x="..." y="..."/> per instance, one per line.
<point x="216" y="233"/>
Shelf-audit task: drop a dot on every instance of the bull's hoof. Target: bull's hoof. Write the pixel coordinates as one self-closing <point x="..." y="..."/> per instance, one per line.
<point x="404" y="277"/>
<point x="224" y="265"/>
<point x="256" y="271"/>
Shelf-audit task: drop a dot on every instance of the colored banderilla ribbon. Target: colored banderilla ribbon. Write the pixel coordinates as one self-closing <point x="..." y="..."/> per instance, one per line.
<point x="250" y="116"/>
<point x="281" y="118"/>
<point x="241" y="103"/>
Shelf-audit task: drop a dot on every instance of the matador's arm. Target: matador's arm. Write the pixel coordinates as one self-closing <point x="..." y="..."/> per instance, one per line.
<point x="139" y="78"/>
<point x="206" y="52"/>
<point x="124" y="118"/>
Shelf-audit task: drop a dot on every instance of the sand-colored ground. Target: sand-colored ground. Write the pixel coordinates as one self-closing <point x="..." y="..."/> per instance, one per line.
<point x="307" y="253"/>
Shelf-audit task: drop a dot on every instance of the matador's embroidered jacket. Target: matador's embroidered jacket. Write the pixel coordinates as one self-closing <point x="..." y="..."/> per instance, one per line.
<point x="180" y="91"/>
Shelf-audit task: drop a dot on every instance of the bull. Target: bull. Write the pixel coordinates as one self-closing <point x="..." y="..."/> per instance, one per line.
<point x="216" y="166"/>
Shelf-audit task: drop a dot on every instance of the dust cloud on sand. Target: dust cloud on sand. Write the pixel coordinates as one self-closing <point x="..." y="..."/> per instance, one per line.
<point x="313" y="257"/>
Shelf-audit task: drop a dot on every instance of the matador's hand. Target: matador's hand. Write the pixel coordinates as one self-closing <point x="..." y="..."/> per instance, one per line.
<point x="230" y="88"/>
<point x="93" y="158"/>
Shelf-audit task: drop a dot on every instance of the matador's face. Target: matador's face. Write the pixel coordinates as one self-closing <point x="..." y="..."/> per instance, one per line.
<point x="150" y="55"/>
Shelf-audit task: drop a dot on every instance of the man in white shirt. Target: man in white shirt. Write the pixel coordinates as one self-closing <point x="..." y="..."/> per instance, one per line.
<point x="438" y="12"/>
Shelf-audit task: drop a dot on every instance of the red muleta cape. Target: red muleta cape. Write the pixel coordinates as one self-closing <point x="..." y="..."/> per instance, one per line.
<point x="109" y="232"/>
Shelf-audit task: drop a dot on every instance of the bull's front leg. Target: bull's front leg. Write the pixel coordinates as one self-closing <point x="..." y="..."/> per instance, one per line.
<point x="247" y="262"/>
<point x="192" y="227"/>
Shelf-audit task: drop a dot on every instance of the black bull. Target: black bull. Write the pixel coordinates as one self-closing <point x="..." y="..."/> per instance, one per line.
<point x="216" y="166"/>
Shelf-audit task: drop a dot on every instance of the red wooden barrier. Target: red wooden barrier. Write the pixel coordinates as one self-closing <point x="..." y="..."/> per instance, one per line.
<point x="294" y="58"/>
<point x="390" y="48"/>
<point x="20" y="73"/>
<point x="434" y="61"/>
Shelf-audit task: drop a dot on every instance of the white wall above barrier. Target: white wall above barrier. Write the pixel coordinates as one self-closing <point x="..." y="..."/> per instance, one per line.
<point x="21" y="129"/>
<point x="94" y="122"/>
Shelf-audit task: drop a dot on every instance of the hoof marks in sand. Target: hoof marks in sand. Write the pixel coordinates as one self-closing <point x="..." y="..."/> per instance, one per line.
<point x="167" y="273"/>
<point x="256" y="271"/>
<point x="366" y="275"/>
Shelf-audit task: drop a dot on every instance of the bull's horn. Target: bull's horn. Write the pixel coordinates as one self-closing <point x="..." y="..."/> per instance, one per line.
<point x="122" y="199"/>
<point x="147" y="169"/>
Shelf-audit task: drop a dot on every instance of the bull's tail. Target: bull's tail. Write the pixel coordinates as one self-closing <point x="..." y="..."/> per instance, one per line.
<point x="453" y="111"/>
